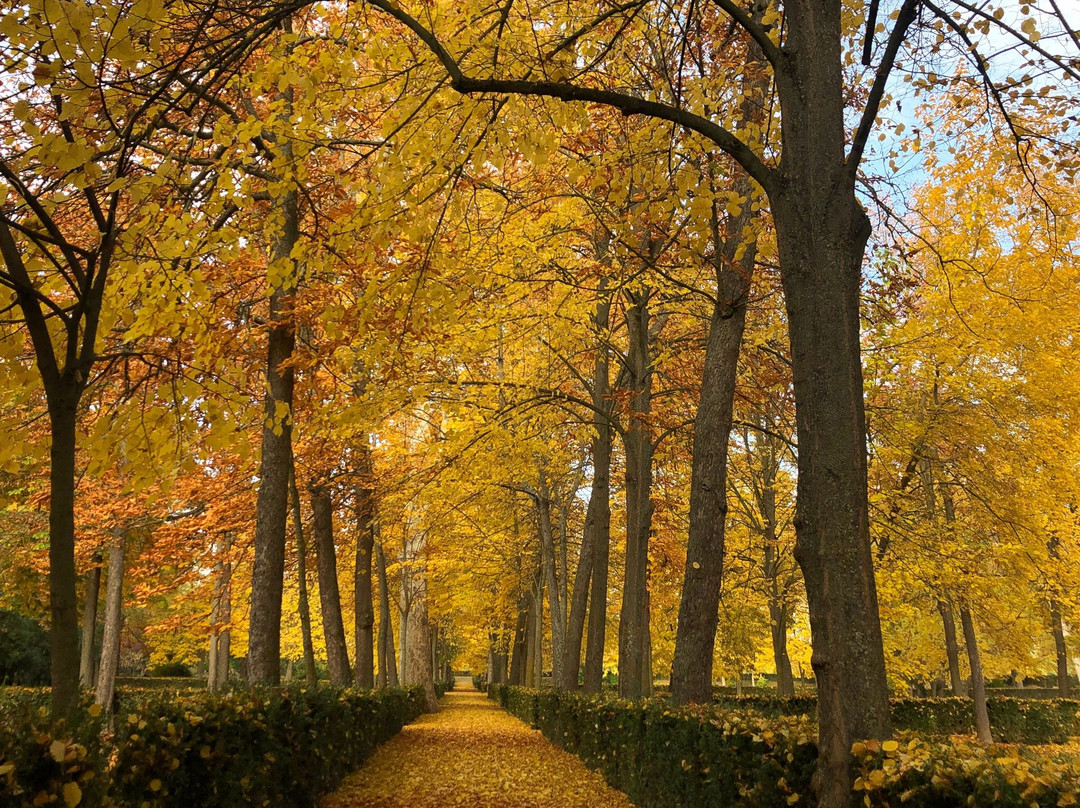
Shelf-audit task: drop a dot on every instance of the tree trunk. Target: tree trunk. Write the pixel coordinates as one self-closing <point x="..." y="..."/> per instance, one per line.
<point x="638" y="444"/>
<point x="271" y="508"/>
<point x="63" y="608"/>
<point x="952" y="648"/>
<point x="337" y="652"/>
<point x="535" y="670"/>
<point x="388" y="676"/>
<point x="221" y="619"/>
<point x="695" y="637"/>
<point x="365" y="543"/>
<point x="978" y="684"/>
<point x="311" y="675"/>
<point x="821" y="247"/>
<point x="555" y="602"/>
<point x="89" y="626"/>
<point x="114" y="623"/>
<point x="597" y="513"/>
<point x="418" y="669"/>
<point x="1064" y="689"/>
<point x="521" y="639"/>
<point x="598" y="596"/>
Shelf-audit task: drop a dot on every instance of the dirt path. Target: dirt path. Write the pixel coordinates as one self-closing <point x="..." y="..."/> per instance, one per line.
<point x="473" y="755"/>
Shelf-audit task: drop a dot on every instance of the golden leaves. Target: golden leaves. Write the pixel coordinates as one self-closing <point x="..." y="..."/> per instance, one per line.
<point x="473" y="754"/>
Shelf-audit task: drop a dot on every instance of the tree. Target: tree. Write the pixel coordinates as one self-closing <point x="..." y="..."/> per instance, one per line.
<point x="809" y="176"/>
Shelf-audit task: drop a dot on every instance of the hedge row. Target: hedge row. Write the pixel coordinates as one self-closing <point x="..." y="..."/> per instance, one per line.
<point x="260" y="748"/>
<point x="1015" y="720"/>
<point x="663" y="757"/>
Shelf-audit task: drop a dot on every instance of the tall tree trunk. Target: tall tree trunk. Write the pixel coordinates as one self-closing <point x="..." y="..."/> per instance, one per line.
<point x="388" y="676"/>
<point x="337" y="652"/>
<point x="89" y="626"/>
<point x="978" y="684"/>
<point x="535" y="671"/>
<point x="952" y="648"/>
<point x="600" y="528"/>
<point x="521" y="639"/>
<point x="418" y="669"/>
<point x="638" y="444"/>
<point x="63" y="608"/>
<point x="555" y="603"/>
<point x="271" y="508"/>
<point x="220" y="619"/>
<point x="1060" y="651"/>
<point x="597" y="533"/>
<point x="821" y="242"/>
<point x="311" y="675"/>
<point x="114" y="623"/>
<point x="365" y="543"/>
<point x="695" y="639"/>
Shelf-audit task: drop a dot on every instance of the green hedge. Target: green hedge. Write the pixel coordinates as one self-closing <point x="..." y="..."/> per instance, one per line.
<point x="260" y="747"/>
<point x="1014" y="720"/>
<point x="664" y="756"/>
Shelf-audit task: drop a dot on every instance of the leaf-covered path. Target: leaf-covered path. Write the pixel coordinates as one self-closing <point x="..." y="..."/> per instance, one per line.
<point x="473" y="754"/>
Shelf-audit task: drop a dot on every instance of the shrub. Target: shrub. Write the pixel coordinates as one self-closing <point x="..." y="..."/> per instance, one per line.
<point x="1014" y="720"/>
<point x="170" y="669"/>
<point x="24" y="651"/>
<point x="259" y="747"/>
<point x="665" y="756"/>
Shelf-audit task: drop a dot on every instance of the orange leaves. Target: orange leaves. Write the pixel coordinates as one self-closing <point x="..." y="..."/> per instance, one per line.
<point x="473" y="754"/>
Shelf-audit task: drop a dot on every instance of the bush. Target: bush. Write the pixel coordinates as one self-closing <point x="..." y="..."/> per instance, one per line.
<point x="1014" y="720"/>
<point x="722" y="756"/>
<point x="479" y="682"/>
<point x="24" y="651"/>
<point x="260" y="747"/>
<point x="170" y="669"/>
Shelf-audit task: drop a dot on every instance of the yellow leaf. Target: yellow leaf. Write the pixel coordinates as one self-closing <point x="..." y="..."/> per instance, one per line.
<point x="72" y="794"/>
<point x="57" y="750"/>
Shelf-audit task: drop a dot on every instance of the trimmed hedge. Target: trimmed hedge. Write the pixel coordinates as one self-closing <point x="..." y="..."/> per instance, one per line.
<point x="260" y="747"/>
<point x="1014" y="720"/>
<point x="664" y="756"/>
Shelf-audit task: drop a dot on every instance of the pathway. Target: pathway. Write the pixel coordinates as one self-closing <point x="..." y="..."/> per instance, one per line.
<point x="473" y="755"/>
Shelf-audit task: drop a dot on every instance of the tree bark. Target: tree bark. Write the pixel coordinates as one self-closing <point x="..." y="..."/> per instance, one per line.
<point x="597" y="513"/>
<point x="418" y="670"/>
<point x="311" y="675"/>
<point x="1060" y="651"/>
<point x="220" y="620"/>
<point x="639" y="450"/>
<point x="388" y="676"/>
<point x="114" y="623"/>
<point x="978" y="684"/>
<point x="695" y="638"/>
<point x="952" y="648"/>
<point x="337" y="652"/>
<point x="365" y="543"/>
<point x="64" y="628"/>
<point x="89" y="626"/>
<point x="271" y="509"/>
<point x="556" y="605"/>
<point x="521" y="639"/>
